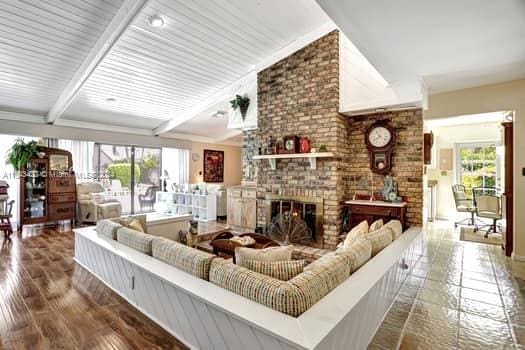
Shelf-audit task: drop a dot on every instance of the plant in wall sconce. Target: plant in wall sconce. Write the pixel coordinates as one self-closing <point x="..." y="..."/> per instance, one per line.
<point x="242" y="103"/>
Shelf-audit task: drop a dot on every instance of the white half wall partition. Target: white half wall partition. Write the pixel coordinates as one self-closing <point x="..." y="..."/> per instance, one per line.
<point x="205" y="316"/>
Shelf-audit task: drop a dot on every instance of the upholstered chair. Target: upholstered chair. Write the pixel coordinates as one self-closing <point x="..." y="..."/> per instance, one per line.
<point x="93" y="204"/>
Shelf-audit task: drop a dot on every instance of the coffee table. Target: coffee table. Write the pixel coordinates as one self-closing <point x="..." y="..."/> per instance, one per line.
<point x="222" y="244"/>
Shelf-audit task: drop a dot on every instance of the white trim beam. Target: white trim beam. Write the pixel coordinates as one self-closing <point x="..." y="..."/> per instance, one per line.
<point x="250" y="77"/>
<point x="129" y="10"/>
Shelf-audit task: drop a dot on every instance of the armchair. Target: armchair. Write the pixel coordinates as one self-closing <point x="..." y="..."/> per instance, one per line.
<point x="148" y="199"/>
<point x="93" y="204"/>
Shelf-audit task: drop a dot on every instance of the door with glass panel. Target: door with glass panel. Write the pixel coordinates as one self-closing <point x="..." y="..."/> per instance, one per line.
<point x="478" y="165"/>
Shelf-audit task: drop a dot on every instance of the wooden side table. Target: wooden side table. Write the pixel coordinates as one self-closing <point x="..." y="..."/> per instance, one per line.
<point x="360" y="210"/>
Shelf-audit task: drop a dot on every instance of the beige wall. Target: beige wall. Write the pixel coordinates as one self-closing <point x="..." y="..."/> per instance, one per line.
<point x="493" y="98"/>
<point x="232" y="162"/>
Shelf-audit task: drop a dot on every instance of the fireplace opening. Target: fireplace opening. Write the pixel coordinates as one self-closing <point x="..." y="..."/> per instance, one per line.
<point x="308" y="209"/>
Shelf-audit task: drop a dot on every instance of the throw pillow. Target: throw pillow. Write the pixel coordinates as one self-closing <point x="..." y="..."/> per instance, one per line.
<point x="396" y="228"/>
<point x="359" y="253"/>
<point x="282" y="270"/>
<point x="355" y="233"/>
<point x="136" y="225"/>
<point x="267" y="254"/>
<point x="376" y="225"/>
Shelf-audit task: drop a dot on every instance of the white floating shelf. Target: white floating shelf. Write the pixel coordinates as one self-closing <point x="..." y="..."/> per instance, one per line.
<point x="312" y="158"/>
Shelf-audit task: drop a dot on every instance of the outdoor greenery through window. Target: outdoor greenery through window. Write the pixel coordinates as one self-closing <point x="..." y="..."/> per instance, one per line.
<point x="477" y="166"/>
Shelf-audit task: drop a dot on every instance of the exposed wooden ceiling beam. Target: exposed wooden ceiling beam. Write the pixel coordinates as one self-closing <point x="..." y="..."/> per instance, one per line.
<point x="129" y="10"/>
<point x="230" y="90"/>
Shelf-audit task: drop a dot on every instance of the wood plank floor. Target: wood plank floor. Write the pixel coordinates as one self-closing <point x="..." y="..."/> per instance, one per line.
<point x="47" y="301"/>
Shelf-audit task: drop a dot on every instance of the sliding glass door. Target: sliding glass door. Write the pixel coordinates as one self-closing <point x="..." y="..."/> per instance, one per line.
<point x="130" y="174"/>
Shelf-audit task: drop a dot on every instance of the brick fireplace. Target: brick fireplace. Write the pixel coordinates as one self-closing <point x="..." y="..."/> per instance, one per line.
<point x="309" y="209"/>
<point x="300" y="95"/>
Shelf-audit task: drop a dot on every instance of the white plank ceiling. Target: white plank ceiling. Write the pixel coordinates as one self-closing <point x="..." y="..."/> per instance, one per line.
<point x="150" y="75"/>
<point x="42" y="43"/>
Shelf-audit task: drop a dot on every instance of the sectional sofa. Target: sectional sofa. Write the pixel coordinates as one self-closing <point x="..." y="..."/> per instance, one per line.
<point x="264" y="307"/>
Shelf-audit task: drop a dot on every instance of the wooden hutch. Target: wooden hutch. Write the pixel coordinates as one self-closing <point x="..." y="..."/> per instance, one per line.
<point x="47" y="188"/>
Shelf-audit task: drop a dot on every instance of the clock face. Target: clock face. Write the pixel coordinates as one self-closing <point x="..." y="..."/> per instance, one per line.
<point x="379" y="136"/>
<point x="289" y="145"/>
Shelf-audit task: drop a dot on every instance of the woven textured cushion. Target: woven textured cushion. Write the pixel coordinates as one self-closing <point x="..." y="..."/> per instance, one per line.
<point x="356" y="232"/>
<point x="266" y="254"/>
<point x="136" y="240"/>
<point x="376" y="225"/>
<point x="396" y="228"/>
<point x="359" y="253"/>
<point x="108" y="228"/>
<point x="379" y="239"/>
<point x="187" y="259"/>
<point x="282" y="270"/>
<point x="292" y="297"/>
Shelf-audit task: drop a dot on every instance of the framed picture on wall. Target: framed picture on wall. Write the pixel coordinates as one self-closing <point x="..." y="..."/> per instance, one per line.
<point x="213" y="166"/>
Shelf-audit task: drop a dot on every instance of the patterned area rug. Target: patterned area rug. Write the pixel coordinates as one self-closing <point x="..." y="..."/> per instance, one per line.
<point x="468" y="234"/>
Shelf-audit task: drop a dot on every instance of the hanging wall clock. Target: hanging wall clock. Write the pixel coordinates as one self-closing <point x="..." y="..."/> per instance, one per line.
<point x="380" y="139"/>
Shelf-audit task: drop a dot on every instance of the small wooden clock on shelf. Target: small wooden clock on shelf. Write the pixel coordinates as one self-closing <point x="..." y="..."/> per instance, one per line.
<point x="290" y="144"/>
<point x="380" y="139"/>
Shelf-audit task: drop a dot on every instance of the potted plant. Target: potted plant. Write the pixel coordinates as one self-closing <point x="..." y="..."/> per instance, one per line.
<point x="242" y="103"/>
<point x="21" y="152"/>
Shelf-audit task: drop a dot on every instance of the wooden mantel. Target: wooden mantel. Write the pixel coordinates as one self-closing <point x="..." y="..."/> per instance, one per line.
<point x="312" y="158"/>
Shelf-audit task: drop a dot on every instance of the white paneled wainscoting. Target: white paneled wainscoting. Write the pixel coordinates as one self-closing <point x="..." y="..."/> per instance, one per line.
<point x="205" y="316"/>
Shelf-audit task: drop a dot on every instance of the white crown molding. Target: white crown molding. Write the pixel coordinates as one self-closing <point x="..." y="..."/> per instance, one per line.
<point x="127" y="12"/>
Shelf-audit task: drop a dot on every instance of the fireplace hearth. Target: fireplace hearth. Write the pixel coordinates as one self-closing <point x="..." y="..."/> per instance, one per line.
<point x="306" y="208"/>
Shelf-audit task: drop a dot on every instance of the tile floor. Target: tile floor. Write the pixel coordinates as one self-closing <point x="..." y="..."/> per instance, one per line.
<point x="460" y="295"/>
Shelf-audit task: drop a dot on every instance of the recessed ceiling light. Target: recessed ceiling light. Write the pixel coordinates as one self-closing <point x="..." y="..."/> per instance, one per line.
<point x="111" y="99"/>
<point x="156" y="21"/>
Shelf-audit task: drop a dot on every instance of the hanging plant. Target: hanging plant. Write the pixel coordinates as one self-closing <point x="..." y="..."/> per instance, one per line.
<point x="21" y="152"/>
<point x="242" y="103"/>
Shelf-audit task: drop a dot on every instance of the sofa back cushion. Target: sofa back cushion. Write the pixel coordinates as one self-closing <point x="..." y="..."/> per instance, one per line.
<point x="379" y="239"/>
<point x="267" y="254"/>
<point x="190" y="260"/>
<point x="136" y="240"/>
<point x="282" y="270"/>
<point x="292" y="297"/>
<point x="359" y="253"/>
<point x="108" y="228"/>
<point x="89" y="187"/>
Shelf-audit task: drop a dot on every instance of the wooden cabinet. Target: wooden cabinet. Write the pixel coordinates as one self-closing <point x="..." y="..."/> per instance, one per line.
<point x="48" y="188"/>
<point x="242" y="207"/>
<point x="360" y="210"/>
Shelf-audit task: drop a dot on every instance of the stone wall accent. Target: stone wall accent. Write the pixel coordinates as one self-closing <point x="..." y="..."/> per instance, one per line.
<point x="300" y="95"/>
<point x="407" y="159"/>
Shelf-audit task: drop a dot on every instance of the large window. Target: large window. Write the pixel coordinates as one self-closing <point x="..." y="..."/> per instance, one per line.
<point x="477" y="165"/>
<point x="133" y="174"/>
